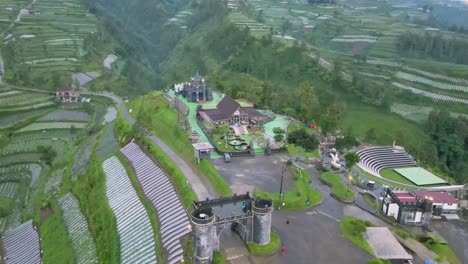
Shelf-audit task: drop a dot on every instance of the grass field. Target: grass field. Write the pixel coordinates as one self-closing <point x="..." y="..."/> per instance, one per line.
<point x="53" y="125"/>
<point x="295" y="198"/>
<point x="338" y="188"/>
<point x="390" y="174"/>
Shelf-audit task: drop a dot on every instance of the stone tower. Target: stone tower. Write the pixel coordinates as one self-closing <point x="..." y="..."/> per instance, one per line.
<point x="262" y="210"/>
<point x="205" y="234"/>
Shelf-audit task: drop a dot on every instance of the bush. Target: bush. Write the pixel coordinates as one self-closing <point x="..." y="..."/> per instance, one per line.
<point x="302" y="138"/>
<point x="278" y="130"/>
<point x="353" y="229"/>
<point x="278" y="137"/>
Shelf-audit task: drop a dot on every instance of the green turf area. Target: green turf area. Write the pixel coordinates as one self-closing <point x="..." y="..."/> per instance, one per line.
<point x="271" y="247"/>
<point x="338" y="188"/>
<point x="279" y="121"/>
<point x="443" y="250"/>
<point x="384" y="181"/>
<point x="218" y="258"/>
<point x="295" y="198"/>
<point x="53" y="125"/>
<point x="300" y="151"/>
<point x="419" y="176"/>
<point x="391" y="175"/>
<point x="353" y="229"/>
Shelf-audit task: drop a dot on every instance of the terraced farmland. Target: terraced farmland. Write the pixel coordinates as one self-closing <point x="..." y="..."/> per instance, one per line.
<point x="66" y="115"/>
<point x="9" y="9"/>
<point x="22" y="245"/>
<point x="50" y="38"/>
<point x="160" y="192"/>
<point x="21" y="99"/>
<point x="435" y="96"/>
<point x="53" y="125"/>
<point x="31" y="146"/>
<point x="415" y="113"/>
<point x="77" y="230"/>
<point x="435" y="84"/>
<point x="137" y="244"/>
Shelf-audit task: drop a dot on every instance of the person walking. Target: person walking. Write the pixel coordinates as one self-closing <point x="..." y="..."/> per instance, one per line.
<point x="287" y="220"/>
<point x="283" y="250"/>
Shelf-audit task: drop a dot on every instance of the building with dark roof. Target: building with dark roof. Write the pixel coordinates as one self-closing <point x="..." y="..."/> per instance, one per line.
<point x="197" y="90"/>
<point x="229" y="111"/>
<point x="67" y="94"/>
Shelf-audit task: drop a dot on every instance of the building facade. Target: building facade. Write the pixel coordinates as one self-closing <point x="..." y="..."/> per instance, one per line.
<point x="197" y="90"/>
<point x="67" y="94"/>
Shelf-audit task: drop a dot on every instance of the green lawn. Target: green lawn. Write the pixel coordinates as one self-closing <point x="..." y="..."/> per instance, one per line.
<point x="338" y="188"/>
<point x="371" y="201"/>
<point x="443" y="250"/>
<point x="353" y="229"/>
<point x="294" y="150"/>
<point x="389" y="127"/>
<point x="383" y="181"/>
<point x="275" y="243"/>
<point x="390" y="174"/>
<point x="295" y="199"/>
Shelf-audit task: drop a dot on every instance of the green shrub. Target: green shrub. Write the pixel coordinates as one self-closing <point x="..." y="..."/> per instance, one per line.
<point x="353" y="229"/>
<point x="338" y="188"/>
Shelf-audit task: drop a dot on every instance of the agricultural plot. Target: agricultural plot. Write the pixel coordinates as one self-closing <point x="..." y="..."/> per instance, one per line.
<point x="60" y="134"/>
<point x="160" y="192"/>
<point x="22" y="245"/>
<point x="137" y="244"/>
<point x="9" y="93"/>
<point x="435" y="84"/>
<point x="53" y="184"/>
<point x="31" y="146"/>
<point x="82" y="157"/>
<point x="32" y="107"/>
<point x="415" y="113"/>
<point x="23" y="99"/>
<point x="434" y="96"/>
<point x="108" y="143"/>
<point x="110" y="115"/>
<point x="66" y="115"/>
<point x="20" y="158"/>
<point x="8" y="189"/>
<point x="53" y="125"/>
<point x="77" y="230"/>
<point x="438" y="76"/>
<point x="8" y="120"/>
<point x="9" y="9"/>
<point x="51" y="37"/>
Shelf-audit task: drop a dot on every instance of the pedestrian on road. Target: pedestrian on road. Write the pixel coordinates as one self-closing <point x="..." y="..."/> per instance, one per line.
<point x="283" y="250"/>
<point x="287" y="220"/>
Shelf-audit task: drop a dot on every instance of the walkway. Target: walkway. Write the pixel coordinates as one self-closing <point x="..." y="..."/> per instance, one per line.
<point x="199" y="184"/>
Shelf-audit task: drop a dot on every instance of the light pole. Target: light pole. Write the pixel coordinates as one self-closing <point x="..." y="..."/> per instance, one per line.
<point x="283" y="170"/>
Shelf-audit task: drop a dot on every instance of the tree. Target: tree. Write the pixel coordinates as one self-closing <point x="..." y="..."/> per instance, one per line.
<point x="327" y="124"/>
<point x="278" y="137"/>
<point x="308" y="103"/>
<point x="48" y="154"/>
<point x="351" y="158"/>
<point x="371" y="135"/>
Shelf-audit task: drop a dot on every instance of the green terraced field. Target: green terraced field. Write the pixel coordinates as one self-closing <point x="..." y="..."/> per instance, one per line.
<point x="53" y="125"/>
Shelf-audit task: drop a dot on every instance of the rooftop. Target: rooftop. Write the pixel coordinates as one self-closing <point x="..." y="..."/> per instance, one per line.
<point x="385" y="245"/>
<point x="406" y="197"/>
<point x="438" y="197"/>
<point x="202" y="146"/>
<point x="419" y="176"/>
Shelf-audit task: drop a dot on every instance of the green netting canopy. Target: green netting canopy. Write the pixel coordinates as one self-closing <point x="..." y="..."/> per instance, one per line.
<point x="419" y="176"/>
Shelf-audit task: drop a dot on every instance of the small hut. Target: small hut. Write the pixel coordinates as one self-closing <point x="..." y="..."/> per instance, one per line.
<point x="194" y="137"/>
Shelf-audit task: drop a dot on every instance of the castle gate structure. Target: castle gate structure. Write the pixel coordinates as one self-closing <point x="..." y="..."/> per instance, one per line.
<point x="250" y="218"/>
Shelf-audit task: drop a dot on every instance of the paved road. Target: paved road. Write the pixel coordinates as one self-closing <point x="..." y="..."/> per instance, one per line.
<point x="200" y="185"/>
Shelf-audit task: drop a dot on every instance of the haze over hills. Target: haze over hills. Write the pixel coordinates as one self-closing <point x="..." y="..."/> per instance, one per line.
<point x="103" y="102"/>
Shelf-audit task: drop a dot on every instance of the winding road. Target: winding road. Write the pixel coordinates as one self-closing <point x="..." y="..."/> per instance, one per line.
<point x="199" y="184"/>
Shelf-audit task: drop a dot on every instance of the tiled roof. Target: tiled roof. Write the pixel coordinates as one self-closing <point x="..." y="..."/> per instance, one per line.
<point x="406" y="197"/>
<point x="438" y="197"/>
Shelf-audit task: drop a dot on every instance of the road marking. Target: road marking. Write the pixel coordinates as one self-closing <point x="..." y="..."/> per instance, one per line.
<point x="325" y="214"/>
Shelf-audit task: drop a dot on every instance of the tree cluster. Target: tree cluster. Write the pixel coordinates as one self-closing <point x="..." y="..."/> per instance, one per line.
<point x="434" y="46"/>
<point x="449" y="137"/>
<point x="301" y="138"/>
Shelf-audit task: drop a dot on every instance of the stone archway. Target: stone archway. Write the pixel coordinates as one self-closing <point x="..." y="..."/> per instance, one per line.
<point x="210" y="218"/>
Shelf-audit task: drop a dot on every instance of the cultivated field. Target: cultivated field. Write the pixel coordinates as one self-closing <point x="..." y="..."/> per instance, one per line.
<point x="137" y="244"/>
